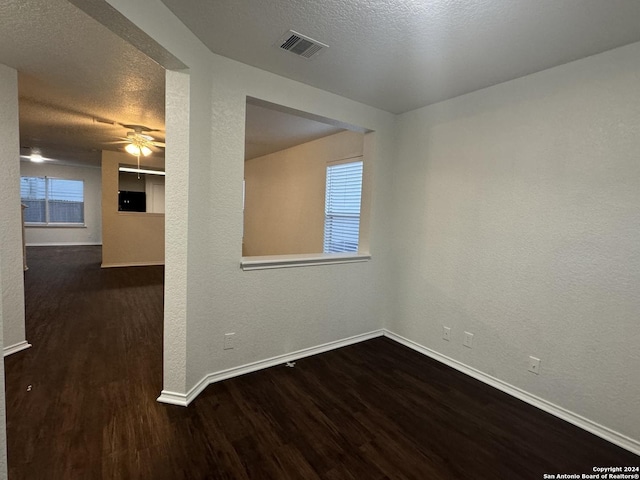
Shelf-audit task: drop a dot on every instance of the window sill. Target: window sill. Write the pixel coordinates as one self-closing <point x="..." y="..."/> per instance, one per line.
<point x="138" y="214"/>
<point x="55" y="225"/>
<point x="287" y="261"/>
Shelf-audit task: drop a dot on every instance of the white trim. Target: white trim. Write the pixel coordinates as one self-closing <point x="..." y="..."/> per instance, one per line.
<point x="140" y="170"/>
<point x="340" y="161"/>
<point x="16" y="347"/>
<point x="137" y="214"/>
<point x="55" y="225"/>
<point x="64" y="244"/>
<point x="181" y="399"/>
<point x="578" y="420"/>
<point x="131" y="264"/>
<point x="175" y="398"/>
<point x="285" y="261"/>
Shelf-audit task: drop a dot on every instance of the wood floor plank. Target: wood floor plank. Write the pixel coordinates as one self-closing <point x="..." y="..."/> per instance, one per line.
<point x="81" y="402"/>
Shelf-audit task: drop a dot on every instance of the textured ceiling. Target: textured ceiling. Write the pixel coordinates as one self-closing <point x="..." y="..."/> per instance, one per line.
<point x="270" y="130"/>
<point x="396" y="55"/>
<point x="72" y="70"/>
<point x="399" y="55"/>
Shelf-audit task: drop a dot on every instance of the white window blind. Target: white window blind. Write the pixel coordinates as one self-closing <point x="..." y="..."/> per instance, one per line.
<point x="33" y="194"/>
<point x="52" y="200"/>
<point x="342" y="207"/>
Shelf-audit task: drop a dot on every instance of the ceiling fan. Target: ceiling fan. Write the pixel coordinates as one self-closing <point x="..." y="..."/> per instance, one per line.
<point x="141" y="143"/>
<point x="138" y="141"/>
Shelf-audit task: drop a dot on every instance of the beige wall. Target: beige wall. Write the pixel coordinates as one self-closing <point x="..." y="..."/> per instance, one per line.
<point x="128" y="238"/>
<point x="285" y="193"/>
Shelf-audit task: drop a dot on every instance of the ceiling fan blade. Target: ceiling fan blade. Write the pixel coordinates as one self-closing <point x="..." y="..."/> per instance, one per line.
<point x="139" y="128"/>
<point x="120" y="140"/>
<point x="104" y="121"/>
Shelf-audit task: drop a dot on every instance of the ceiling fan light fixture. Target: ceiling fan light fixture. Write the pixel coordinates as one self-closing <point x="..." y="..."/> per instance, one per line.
<point x="132" y="149"/>
<point x="36" y="156"/>
<point x="136" y="150"/>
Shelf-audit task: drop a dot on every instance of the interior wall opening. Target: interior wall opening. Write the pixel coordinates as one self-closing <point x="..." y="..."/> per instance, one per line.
<point x="303" y="183"/>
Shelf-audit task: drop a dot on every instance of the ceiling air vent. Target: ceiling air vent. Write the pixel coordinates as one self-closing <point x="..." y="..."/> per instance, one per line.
<point x="301" y="45"/>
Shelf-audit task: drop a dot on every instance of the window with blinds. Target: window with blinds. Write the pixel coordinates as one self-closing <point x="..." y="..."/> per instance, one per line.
<point x="52" y="200"/>
<point x="342" y="207"/>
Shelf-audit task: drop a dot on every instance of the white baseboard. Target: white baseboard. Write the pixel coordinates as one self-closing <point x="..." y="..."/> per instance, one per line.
<point x="131" y="264"/>
<point x="64" y="244"/>
<point x="578" y="420"/>
<point x="15" y="348"/>
<point x="181" y="399"/>
<point x="175" y="398"/>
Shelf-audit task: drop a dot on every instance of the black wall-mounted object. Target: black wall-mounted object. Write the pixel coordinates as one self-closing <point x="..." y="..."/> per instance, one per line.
<point x="132" y="201"/>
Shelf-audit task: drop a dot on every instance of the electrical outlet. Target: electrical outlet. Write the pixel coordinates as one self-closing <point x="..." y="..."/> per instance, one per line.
<point x="534" y="365"/>
<point x="229" y="341"/>
<point x="468" y="340"/>
<point x="446" y="333"/>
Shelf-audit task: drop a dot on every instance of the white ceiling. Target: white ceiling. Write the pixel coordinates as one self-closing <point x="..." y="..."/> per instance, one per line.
<point x="394" y="54"/>
<point x="399" y="55"/>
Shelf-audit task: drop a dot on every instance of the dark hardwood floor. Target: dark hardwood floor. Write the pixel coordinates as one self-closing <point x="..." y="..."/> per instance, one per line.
<point x="81" y="404"/>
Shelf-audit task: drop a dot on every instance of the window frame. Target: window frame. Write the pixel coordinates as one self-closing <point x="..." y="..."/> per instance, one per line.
<point x="47" y="222"/>
<point x="325" y="241"/>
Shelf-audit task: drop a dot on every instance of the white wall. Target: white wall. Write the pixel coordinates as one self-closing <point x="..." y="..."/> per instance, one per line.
<point x="3" y="416"/>
<point x="519" y="213"/>
<point x="10" y="213"/>
<point x="285" y="195"/>
<point x="11" y="274"/>
<point x="272" y="312"/>
<point x="275" y="312"/>
<point x="516" y="211"/>
<point x="92" y="234"/>
<point x="154" y="188"/>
